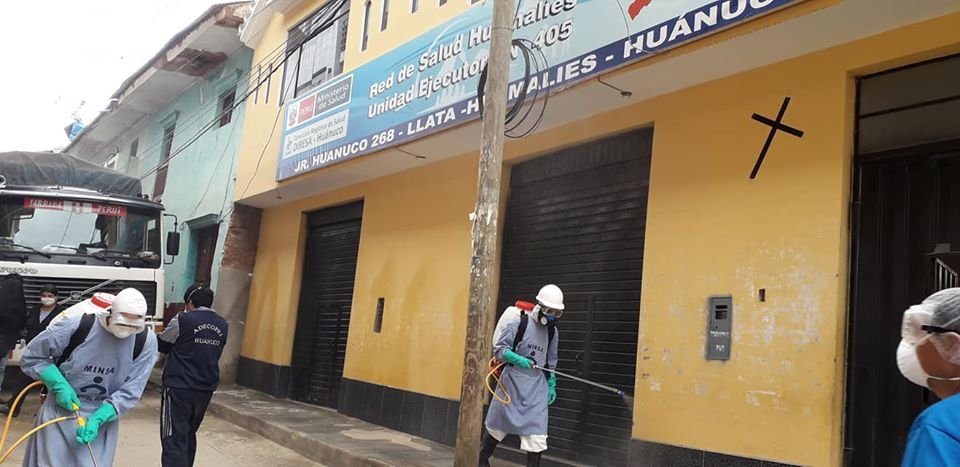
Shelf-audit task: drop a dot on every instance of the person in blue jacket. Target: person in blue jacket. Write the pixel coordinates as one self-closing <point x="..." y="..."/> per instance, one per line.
<point x="929" y="356"/>
<point x="193" y="342"/>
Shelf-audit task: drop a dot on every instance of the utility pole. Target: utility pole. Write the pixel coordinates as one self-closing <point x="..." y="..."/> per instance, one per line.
<point x="485" y="220"/>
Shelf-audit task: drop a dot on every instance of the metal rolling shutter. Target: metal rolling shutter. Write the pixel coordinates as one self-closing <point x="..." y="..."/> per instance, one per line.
<point x="323" y="316"/>
<point x="576" y="218"/>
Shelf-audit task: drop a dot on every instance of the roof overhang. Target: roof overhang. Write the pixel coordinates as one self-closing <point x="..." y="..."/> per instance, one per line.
<point x="191" y="54"/>
<point x="258" y="20"/>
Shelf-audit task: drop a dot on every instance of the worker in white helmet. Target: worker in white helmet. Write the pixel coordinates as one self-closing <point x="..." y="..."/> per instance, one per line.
<point x="525" y="342"/>
<point x="94" y="364"/>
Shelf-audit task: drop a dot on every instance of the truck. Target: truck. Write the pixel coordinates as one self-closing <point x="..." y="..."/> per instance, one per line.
<point x="81" y="227"/>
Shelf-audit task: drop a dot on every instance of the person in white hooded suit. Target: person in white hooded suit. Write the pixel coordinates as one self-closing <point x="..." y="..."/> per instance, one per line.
<point x="97" y="365"/>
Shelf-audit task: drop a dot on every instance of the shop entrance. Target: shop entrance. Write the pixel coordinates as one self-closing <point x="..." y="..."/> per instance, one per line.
<point x="906" y="243"/>
<point x="323" y="317"/>
<point x="576" y="218"/>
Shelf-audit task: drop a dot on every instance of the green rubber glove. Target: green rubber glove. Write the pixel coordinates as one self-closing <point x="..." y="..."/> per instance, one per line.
<point x="88" y="432"/>
<point x="552" y="384"/>
<point x="512" y="358"/>
<point x="61" y="389"/>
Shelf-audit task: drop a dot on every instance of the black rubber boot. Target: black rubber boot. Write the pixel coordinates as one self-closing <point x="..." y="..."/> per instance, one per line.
<point x="487" y="446"/>
<point x="5" y="409"/>
<point x="533" y="459"/>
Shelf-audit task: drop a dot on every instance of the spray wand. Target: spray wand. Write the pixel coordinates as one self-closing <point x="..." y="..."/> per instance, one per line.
<point x="83" y="422"/>
<point x="623" y="395"/>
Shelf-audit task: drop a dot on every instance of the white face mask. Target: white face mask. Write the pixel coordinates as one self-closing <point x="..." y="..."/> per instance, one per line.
<point x="122" y="331"/>
<point x="47" y="301"/>
<point x="909" y="365"/>
<point x="119" y="327"/>
<point x="913" y="336"/>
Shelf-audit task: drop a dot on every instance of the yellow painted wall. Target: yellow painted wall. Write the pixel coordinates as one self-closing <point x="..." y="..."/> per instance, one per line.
<point x="402" y="25"/>
<point x="710" y="230"/>
<point x="414" y="252"/>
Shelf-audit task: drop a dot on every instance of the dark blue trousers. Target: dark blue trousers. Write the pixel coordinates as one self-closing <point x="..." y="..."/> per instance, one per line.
<point x="181" y="413"/>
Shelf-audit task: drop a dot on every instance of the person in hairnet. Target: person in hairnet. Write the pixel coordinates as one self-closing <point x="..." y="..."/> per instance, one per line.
<point x="97" y="365"/>
<point x="526" y="342"/>
<point x="929" y="356"/>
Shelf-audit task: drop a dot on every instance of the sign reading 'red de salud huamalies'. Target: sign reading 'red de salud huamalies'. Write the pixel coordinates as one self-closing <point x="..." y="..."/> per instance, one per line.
<point x="430" y="83"/>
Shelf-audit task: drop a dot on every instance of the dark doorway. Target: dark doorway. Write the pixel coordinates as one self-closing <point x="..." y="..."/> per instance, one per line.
<point x="206" y="239"/>
<point x="908" y="234"/>
<point x="576" y="218"/>
<point x="323" y="317"/>
<point x="906" y="243"/>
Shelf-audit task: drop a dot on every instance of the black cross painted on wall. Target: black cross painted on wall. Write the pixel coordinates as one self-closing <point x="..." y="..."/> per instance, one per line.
<point x="775" y="126"/>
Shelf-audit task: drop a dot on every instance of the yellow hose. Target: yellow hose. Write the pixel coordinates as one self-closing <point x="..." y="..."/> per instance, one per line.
<point x="493" y="373"/>
<point x="13" y="409"/>
<point x="30" y="433"/>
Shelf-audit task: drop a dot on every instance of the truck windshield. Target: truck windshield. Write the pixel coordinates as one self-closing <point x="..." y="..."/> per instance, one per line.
<point x="50" y="227"/>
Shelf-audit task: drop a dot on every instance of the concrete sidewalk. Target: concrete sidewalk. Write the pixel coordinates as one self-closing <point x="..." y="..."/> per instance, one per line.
<point x="323" y="435"/>
<point x="320" y="434"/>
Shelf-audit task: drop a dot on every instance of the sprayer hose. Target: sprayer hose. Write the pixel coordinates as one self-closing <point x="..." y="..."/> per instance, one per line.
<point x="31" y="433"/>
<point x="13" y="409"/>
<point x="493" y="374"/>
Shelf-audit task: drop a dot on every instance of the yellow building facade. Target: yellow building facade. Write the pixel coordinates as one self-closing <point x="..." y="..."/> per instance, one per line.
<point x="778" y="244"/>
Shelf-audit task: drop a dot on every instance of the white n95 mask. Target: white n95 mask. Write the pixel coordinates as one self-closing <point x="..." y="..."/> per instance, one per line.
<point x="127" y="314"/>
<point x="912" y="336"/>
<point x="909" y="364"/>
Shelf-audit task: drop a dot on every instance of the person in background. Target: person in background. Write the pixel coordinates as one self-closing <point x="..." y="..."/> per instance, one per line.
<point x="38" y="318"/>
<point x="193" y="342"/>
<point x="13" y="316"/>
<point x="929" y="356"/>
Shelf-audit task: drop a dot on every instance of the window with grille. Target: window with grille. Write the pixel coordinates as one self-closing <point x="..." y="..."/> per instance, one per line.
<point x="166" y="147"/>
<point x="316" y="50"/>
<point x="227" y="102"/>
<point x="384" y="14"/>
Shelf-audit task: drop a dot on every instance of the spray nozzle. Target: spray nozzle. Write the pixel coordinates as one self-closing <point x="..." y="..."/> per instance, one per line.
<point x="80" y="420"/>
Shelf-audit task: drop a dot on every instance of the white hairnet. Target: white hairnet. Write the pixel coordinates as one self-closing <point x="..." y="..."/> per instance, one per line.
<point x="945" y="307"/>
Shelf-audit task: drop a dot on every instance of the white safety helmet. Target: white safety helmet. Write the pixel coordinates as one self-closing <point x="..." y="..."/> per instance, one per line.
<point x="549" y="304"/>
<point x="127" y="314"/>
<point x="551" y="297"/>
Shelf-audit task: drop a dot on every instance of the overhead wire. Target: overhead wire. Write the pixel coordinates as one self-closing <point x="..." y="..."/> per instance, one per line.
<point x="246" y="78"/>
<point x="246" y="96"/>
<point x="243" y="77"/>
<point x="270" y="57"/>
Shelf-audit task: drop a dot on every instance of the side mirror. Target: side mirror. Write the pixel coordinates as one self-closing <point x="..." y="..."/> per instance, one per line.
<point x="173" y="243"/>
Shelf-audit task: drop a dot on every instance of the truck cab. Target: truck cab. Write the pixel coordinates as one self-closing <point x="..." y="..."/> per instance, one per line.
<point x="82" y="228"/>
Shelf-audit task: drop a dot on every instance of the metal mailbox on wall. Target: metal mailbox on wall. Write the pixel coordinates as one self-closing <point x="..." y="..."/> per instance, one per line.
<point x="719" y="326"/>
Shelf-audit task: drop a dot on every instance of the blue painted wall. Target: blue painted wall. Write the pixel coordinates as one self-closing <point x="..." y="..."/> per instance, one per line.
<point x="201" y="179"/>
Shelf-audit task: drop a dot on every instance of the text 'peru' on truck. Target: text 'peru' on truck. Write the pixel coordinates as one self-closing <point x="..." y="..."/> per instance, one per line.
<point x="81" y="227"/>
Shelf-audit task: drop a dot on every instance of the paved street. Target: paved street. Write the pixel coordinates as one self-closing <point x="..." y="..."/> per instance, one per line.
<point x="220" y="443"/>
